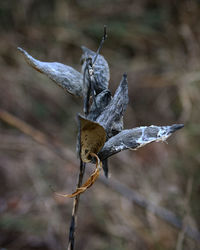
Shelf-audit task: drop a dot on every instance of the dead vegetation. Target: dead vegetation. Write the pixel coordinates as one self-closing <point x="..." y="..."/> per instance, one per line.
<point x="158" y="45"/>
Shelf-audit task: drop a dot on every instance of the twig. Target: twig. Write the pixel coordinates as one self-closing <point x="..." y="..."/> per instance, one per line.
<point x="75" y="209"/>
<point x="86" y="104"/>
<point x="36" y="135"/>
<point x="24" y="127"/>
<point x="89" y="87"/>
<point x="101" y="44"/>
<point x="90" y="72"/>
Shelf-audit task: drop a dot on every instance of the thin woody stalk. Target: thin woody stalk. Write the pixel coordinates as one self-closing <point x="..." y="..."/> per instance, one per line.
<point x="72" y="227"/>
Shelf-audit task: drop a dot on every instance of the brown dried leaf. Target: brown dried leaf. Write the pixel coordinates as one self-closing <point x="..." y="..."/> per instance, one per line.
<point x="92" y="138"/>
<point x="90" y="181"/>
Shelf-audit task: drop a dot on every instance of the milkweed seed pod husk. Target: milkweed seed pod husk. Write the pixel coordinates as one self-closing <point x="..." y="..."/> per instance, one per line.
<point x="92" y="138"/>
<point x="64" y="76"/>
<point x="101" y="69"/>
<point x="136" y="138"/>
<point x="112" y="116"/>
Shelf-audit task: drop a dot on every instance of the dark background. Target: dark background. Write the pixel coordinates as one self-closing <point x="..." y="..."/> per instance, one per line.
<point x="158" y="44"/>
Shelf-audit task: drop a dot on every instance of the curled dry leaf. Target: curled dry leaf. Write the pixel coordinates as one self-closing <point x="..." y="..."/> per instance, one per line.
<point x="92" y="138"/>
<point x="90" y="181"/>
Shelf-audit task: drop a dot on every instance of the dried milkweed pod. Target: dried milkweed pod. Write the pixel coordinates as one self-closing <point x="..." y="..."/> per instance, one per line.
<point x="100" y="68"/>
<point x="64" y="76"/>
<point x="136" y="138"/>
<point x="101" y="133"/>
<point x="111" y="117"/>
<point x="92" y="138"/>
<point x="96" y="73"/>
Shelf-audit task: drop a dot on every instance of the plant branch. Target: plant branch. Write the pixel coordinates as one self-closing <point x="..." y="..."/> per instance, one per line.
<point x="72" y="227"/>
<point x="101" y="44"/>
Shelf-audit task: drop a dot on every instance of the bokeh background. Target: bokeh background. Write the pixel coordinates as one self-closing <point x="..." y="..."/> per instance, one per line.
<point x="158" y="44"/>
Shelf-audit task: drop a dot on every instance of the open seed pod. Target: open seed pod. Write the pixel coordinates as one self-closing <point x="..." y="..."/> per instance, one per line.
<point x="63" y="75"/>
<point x="92" y="138"/>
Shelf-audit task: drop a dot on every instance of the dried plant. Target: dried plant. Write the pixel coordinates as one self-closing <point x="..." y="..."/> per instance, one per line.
<point x="101" y="132"/>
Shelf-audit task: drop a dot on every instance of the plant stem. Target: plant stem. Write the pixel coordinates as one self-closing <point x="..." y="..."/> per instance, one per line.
<point x="72" y="227"/>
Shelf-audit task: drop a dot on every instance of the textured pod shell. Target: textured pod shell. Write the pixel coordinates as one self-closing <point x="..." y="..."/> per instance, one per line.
<point x="65" y="76"/>
<point x="92" y="138"/>
<point x="101" y="69"/>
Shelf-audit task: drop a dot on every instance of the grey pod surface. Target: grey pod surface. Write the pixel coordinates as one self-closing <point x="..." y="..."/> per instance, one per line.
<point x="100" y="67"/>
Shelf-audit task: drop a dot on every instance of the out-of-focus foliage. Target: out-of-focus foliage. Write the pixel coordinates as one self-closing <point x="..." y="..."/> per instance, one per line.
<point x="158" y="44"/>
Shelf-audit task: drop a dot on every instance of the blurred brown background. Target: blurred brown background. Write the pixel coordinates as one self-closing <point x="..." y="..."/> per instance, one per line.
<point x="158" y="44"/>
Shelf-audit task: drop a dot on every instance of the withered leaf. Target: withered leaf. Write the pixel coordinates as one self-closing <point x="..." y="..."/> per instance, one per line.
<point x="92" y="138"/>
<point x="90" y="181"/>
